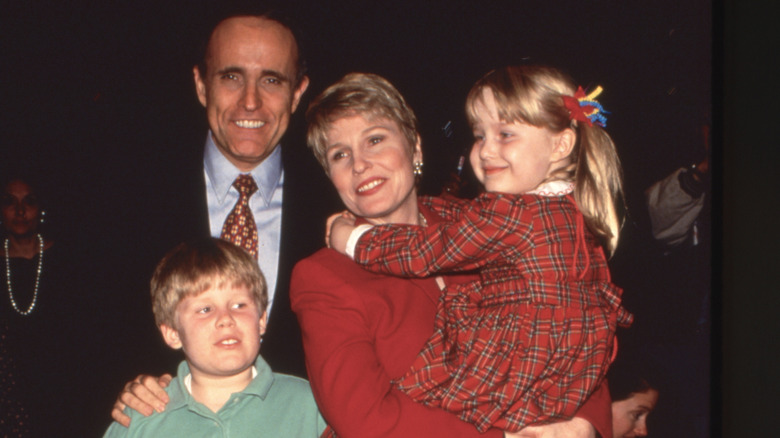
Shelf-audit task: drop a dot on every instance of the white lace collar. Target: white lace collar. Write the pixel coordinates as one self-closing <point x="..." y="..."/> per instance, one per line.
<point x="554" y="188"/>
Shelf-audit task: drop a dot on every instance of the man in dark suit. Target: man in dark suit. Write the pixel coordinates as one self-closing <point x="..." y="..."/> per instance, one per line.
<point x="250" y="82"/>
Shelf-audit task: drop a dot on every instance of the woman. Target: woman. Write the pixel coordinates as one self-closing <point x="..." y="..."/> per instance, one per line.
<point x="362" y="330"/>
<point x="23" y="246"/>
<point x="37" y="357"/>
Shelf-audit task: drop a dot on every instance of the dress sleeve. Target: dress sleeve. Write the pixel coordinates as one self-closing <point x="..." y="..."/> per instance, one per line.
<point x="491" y="228"/>
<point x="351" y="387"/>
<point x="448" y="208"/>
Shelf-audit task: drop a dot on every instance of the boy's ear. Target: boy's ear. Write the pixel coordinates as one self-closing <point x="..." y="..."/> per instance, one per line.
<point x="171" y="336"/>
<point x="564" y="144"/>
<point x="263" y="322"/>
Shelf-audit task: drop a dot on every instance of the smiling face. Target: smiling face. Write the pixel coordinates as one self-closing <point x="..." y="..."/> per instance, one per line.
<point x="629" y="416"/>
<point x="514" y="157"/>
<point x="371" y="164"/>
<point x="249" y="88"/>
<point x="21" y="209"/>
<point x="219" y="331"/>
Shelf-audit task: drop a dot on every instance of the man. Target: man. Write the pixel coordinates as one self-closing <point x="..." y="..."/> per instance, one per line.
<point x="251" y="85"/>
<point x="250" y="82"/>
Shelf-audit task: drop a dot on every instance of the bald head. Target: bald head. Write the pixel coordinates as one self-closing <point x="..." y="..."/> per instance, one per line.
<point x="251" y="85"/>
<point x="233" y="24"/>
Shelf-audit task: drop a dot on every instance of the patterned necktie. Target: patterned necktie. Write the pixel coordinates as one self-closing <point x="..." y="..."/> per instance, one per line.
<point x="240" y="227"/>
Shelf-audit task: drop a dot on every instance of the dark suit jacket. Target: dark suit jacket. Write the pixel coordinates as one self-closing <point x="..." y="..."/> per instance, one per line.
<point x="308" y="199"/>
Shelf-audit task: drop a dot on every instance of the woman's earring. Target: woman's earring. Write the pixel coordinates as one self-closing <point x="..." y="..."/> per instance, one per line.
<point x="43" y="216"/>
<point x="418" y="165"/>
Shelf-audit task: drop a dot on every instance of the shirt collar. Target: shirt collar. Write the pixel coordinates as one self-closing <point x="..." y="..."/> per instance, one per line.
<point x="180" y="395"/>
<point x="187" y="381"/>
<point x="554" y="188"/>
<point x="222" y="172"/>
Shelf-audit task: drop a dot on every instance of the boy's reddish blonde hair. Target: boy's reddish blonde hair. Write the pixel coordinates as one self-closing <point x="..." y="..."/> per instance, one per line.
<point x="192" y="268"/>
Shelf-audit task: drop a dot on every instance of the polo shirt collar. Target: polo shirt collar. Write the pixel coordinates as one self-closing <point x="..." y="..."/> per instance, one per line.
<point x="180" y="397"/>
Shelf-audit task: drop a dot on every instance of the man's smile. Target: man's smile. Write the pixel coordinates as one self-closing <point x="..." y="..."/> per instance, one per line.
<point x="250" y="124"/>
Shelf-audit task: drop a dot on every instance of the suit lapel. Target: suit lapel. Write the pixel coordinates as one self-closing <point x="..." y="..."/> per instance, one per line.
<point x="301" y="235"/>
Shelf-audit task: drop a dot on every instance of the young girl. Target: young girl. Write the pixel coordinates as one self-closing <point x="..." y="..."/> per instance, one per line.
<point x="530" y="340"/>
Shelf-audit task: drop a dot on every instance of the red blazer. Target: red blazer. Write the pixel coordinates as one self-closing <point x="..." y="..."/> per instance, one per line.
<point x="360" y="331"/>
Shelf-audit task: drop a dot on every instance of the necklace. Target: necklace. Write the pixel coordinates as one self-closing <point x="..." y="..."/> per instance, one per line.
<point x="37" y="278"/>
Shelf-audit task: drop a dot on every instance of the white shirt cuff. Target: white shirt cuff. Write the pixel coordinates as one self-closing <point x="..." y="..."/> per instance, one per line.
<point x="354" y="237"/>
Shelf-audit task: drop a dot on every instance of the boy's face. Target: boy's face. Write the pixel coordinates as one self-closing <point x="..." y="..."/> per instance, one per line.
<point x="219" y="331"/>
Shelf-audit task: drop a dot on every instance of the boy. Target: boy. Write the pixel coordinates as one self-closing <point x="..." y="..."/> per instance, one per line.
<point x="209" y="299"/>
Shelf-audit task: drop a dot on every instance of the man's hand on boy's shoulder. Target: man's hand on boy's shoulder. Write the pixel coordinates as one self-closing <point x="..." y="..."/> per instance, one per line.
<point x="144" y="394"/>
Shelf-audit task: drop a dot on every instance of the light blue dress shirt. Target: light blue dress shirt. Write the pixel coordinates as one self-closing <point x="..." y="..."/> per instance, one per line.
<point x="266" y="204"/>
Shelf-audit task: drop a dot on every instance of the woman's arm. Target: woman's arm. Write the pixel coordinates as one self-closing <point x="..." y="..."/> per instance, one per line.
<point x="350" y="384"/>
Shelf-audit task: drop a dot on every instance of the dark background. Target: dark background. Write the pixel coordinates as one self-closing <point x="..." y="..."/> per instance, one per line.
<point x="97" y="97"/>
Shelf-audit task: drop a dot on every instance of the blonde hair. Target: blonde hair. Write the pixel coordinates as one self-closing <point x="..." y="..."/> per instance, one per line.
<point x="364" y="94"/>
<point x="192" y="268"/>
<point x="534" y="95"/>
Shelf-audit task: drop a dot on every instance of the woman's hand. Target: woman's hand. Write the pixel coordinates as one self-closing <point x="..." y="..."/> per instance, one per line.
<point x="339" y="227"/>
<point x="144" y="394"/>
<point x="574" y="428"/>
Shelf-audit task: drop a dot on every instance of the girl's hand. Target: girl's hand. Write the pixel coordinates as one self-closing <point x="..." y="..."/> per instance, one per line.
<point x="339" y="227"/>
<point x="329" y="224"/>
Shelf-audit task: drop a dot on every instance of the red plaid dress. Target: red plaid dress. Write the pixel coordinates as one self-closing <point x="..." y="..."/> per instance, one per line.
<point x="531" y="340"/>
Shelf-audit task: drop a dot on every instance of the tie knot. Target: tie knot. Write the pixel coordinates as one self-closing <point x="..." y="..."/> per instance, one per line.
<point x="245" y="184"/>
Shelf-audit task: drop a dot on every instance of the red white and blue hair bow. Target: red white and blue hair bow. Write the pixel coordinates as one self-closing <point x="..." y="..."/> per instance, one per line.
<point x="586" y="109"/>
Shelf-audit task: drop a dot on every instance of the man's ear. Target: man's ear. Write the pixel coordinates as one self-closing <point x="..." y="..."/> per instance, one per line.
<point x="200" y="85"/>
<point x="171" y="336"/>
<point x="564" y="144"/>
<point x="298" y="93"/>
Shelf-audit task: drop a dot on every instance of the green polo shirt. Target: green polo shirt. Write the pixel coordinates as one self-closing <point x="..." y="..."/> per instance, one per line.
<point x="272" y="405"/>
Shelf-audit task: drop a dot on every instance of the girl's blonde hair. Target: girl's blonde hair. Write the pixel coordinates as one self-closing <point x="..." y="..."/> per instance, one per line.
<point x="534" y="95"/>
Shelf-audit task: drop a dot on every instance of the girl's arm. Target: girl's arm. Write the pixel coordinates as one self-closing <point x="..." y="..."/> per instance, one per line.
<point x="351" y="387"/>
<point x="491" y="228"/>
<point x="449" y="209"/>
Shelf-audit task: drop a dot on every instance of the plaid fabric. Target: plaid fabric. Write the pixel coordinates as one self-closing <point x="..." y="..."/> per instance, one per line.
<point x="531" y="340"/>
